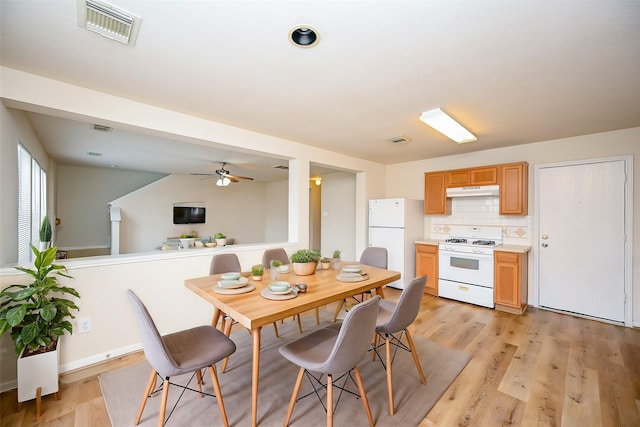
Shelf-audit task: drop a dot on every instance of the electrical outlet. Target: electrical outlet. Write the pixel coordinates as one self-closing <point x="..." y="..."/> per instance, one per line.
<point x="84" y="325"/>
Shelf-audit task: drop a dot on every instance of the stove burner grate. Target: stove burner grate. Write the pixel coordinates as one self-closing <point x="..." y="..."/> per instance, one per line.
<point x="484" y="242"/>
<point x="456" y="240"/>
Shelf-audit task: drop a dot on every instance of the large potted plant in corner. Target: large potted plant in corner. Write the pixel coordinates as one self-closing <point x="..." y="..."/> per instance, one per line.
<point x="37" y="315"/>
<point x="305" y="261"/>
<point x="45" y="233"/>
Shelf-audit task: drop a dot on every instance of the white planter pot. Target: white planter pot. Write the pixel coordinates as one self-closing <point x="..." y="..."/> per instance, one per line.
<point x="221" y="242"/>
<point x="44" y="246"/>
<point x="39" y="370"/>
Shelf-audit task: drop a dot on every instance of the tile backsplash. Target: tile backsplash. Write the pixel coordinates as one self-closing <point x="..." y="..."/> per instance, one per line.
<point x="516" y="230"/>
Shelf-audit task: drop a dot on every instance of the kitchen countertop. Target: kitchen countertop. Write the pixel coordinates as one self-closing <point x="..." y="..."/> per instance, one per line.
<point x="521" y="249"/>
<point x="428" y="242"/>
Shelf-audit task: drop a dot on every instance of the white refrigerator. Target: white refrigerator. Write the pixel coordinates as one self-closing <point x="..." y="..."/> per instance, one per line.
<point x="396" y="224"/>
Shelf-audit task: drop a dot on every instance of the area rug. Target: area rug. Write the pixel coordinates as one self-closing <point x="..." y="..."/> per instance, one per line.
<point x="122" y="389"/>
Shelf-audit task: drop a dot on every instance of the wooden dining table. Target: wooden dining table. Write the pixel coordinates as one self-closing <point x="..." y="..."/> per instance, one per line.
<point x="253" y="311"/>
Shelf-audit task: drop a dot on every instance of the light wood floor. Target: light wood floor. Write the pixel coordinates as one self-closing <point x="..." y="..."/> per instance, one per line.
<point x="538" y="369"/>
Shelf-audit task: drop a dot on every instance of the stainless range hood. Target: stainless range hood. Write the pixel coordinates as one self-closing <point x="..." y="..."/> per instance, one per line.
<point x="474" y="191"/>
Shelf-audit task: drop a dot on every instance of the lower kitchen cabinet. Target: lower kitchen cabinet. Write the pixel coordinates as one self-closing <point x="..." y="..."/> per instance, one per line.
<point x="427" y="264"/>
<point x="510" y="281"/>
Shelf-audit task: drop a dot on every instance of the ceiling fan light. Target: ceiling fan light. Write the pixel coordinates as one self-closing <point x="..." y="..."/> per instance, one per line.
<point x="446" y="125"/>
<point x="223" y="182"/>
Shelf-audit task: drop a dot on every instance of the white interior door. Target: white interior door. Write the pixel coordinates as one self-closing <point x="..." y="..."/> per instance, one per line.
<point x="582" y="238"/>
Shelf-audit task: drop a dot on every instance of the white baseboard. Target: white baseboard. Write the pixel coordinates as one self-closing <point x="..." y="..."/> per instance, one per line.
<point x="81" y="363"/>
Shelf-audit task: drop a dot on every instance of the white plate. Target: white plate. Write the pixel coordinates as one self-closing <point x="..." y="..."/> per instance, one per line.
<point x="288" y="291"/>
<point x="232" y="284"/>
<point x="230" y="276"/>
<point x="283" y="269"/>
<point x="351" y="268"/>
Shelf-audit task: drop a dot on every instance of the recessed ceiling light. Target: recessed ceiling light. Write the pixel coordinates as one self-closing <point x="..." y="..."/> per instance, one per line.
<point x="400" y="139"/>
<point x="304" y="36"/>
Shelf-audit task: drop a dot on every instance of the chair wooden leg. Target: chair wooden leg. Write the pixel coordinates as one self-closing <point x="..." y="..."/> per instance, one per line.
<point x="163" y="404"/>
<point x="414" y="353"/>
<point x="227" y="331"/>
<point x="199" y="381"/>
<point x="387" y="347"/>
<point x="329" y="400"/>
<point x="294" y="395"/>
<point x="317" y="316"/>
<point x="299" y="323"/>
<point x="375" y="344"/>
<point x="275" y="329"/>
<point x="363" y="395"/>
<point x="216" y="387"/>
<point x="338" y="308"/>
<point x="150" y="385"/>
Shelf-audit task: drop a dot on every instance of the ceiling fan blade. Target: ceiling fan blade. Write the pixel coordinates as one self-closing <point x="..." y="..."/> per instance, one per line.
<point x="231" y="178"/>
<point x="203" y="174"/>
<point x="241" y="177"/>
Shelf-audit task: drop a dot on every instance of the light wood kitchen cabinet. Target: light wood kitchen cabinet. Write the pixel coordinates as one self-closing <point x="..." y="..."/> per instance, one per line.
<point x="458" y="178"/>
<point x="484" y="176"/>
<point x="513" y="188"/>
<point x="510" y="281"/>
<point x="435" y="196"/>
<point x="511" y="177"/>
<point x="427" y="264"/>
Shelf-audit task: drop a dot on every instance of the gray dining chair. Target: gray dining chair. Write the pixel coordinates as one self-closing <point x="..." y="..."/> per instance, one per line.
<point x="187" y="351"/>
<point x="281" y="255"/>
<point x="373" y="256"/>
<point x="394" y="317"/>
<point x="334" y="351"/>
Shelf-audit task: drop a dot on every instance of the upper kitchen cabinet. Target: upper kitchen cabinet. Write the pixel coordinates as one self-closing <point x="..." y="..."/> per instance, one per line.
<point x="513" y="188"/>
<point x="435" y="196"/>
<point x="477" y="176"/>
<point x="511" y="177"/>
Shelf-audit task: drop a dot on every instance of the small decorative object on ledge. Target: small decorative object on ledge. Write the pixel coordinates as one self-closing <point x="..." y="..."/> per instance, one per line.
<point x="45" y="233"/>
<point x="221" y="239"/>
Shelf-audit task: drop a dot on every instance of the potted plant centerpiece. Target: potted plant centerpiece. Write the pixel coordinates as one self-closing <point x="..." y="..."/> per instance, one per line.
<point x="336" y="259"/>
<point x="37" y="315"/>
<point x="257" y="271"/>
<point x="325" y="263"/>
<point x="45" y="233"/>
<point x="221" y="239"/>
<point x="305" y="261"/>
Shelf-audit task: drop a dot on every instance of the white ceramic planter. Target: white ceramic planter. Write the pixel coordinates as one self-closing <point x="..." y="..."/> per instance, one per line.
<point x="221" y="242"/>
<point x="39" y="370"/>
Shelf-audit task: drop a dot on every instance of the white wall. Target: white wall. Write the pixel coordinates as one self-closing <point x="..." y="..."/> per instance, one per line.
<point x="338" y="215"/>
<point x="600" y="145"/>
<point x="276" y="211"/>
<point x="82" y="202"/>
<point x="236" y="211"/>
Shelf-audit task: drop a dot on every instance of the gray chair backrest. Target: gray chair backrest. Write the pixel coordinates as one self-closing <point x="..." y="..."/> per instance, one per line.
<point x="224" y="263"/>
<point x="354" y="338"/>
<point x="408" y="306"/>
<point x="273" y="254"/>
<point x="154" y="347"/>
<point x="375" y="257"/>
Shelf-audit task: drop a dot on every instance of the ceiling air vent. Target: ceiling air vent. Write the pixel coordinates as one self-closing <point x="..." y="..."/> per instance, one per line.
<point x="281" y="167"/>
<point x="101" y="128"/>
<point x="109" y="21"/>
<point x="399" y="139"/>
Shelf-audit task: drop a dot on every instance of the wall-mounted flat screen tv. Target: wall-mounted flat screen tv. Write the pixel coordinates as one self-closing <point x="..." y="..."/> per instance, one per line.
<point x="188" y="215"/>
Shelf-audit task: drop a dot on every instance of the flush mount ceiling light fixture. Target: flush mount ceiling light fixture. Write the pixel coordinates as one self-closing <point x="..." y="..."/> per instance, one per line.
<point x="443" y="123"/>
<point x="223" y="182"/>
<point x="304" y="36"/>
<point x="108" y="21"/>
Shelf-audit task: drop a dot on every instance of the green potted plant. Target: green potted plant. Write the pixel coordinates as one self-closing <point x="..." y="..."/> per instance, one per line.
<point x="305" y="261"/>
<point x="36" y="315"/>
<point x="220" y="238"/>
<point x="336" y="259"/>
<point x="45" y="233"/>
<point x="257" y="271"/>
<point x="325" y="263"/>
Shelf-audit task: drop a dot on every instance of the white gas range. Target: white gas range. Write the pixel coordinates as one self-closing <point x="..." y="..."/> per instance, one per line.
<point x="465" y="264"/>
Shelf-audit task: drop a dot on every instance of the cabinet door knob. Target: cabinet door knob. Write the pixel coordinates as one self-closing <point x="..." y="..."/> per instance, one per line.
<point x="544" y="245"/>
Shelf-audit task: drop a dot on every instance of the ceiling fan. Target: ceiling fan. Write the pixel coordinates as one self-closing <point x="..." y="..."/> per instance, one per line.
<point x="224" y="176"/>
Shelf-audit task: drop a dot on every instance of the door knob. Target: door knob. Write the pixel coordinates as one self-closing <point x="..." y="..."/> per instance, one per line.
<point x="544" y="245"/>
